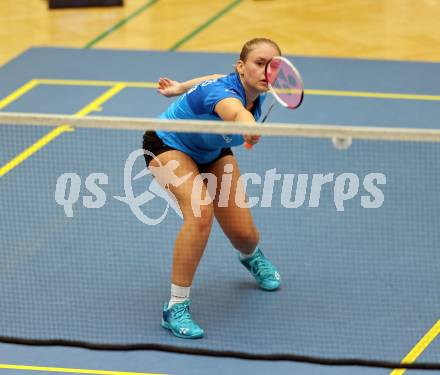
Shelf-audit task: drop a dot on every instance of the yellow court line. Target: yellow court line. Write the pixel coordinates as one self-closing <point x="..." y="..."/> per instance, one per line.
<point x="74" y="82"/>
<point x="419" y="348"/>
<point x="34" y="148"/>
<point x="94" y="105"/>
<point x="153" y="85"/>
<point x="100" y="100"/>
<point x="17" y="93"/>
<point x="374" y="95"/>
<point x="70" y="370"/>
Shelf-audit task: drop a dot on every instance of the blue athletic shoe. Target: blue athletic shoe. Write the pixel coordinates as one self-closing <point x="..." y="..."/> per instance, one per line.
<point x="265" y="273"/>
<point x="178" y="320"/>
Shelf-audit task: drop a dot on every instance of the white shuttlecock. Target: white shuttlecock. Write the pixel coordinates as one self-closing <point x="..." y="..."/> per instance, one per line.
<point x="342" y="143"/>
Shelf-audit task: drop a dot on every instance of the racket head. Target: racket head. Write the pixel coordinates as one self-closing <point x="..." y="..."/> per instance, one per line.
<point x="285" y="82"/>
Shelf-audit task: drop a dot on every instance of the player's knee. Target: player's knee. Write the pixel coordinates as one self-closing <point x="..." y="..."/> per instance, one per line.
<point x="204" y="221"/>
<point x="201" y="219"/>
<point x="245" y="239"/>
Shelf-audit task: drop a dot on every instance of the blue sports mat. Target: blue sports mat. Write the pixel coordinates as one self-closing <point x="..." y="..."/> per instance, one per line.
<point x="360" y="284"/>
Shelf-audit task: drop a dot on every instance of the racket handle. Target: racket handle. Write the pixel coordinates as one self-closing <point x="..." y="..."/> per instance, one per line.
<point x="248" y="146"/>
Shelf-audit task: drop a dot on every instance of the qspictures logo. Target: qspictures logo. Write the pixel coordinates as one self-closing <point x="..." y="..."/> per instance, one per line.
<point x="297" y="190"/>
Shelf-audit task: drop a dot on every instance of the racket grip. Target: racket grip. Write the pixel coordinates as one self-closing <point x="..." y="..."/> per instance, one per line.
<point x="248" y="146"/>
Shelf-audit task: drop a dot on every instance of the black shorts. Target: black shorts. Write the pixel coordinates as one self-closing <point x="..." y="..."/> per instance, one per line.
<point x="156" y="146"/>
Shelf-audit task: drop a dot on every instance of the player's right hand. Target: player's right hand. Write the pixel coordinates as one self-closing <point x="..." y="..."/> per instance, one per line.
<point x="251" y="139"/>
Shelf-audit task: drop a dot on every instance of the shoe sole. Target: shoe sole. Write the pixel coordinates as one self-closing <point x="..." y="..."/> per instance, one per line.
<point x="165" y="325"/>
<point x="269" y="289"/>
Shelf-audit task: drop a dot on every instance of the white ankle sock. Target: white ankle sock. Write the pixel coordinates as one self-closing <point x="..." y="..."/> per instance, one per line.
<point x="247" y="256"/>
<point x="179" y="294"/>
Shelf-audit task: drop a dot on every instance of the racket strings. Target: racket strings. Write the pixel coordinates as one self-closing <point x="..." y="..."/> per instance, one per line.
<point x="285" y="82"/>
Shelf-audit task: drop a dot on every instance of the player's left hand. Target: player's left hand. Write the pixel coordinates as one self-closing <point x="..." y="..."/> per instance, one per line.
<point x="167" y="87"/>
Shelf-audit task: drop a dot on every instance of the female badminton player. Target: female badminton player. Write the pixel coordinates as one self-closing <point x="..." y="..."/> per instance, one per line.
<point x="234" y="97"/>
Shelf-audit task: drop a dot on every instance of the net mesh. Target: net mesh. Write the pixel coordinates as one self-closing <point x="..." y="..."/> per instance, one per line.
<point x="87" y="242"/>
